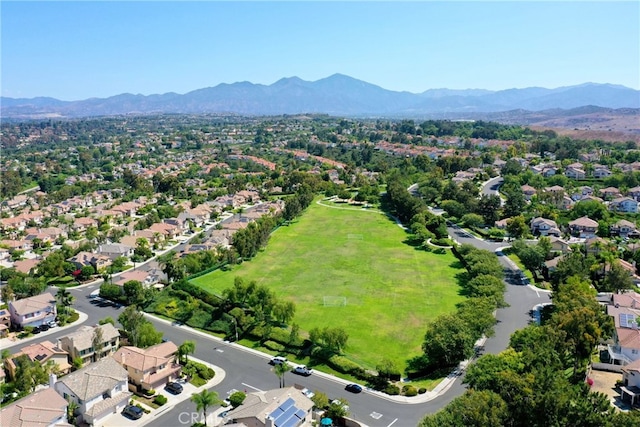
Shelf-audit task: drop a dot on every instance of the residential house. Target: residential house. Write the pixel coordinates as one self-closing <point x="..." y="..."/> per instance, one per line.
<point x="626" y="336"/>
<point x="99" y="390"/>
<point x="42" y="352"/>
<point x="624" y="205"/>
<point x="27" y="266"/>
<point x="544" y="227"/>
<point x="115" y="250"/>
<point x="153" y="237"/>
<point x="601" y="172"/>
<point x="5" y="322"/>
<point x="180" y="225"/>
<point x="575" y="173"/>
<point x="631" y="382"/>
<point x="271" y="408"/>
<point x="82" y="343"/>
<point x="142" y="276"/>
<point x="528" y="191"/>
<point x="33" y="311"/>
<point x="559" y="245"/>
<point x="97" y="261"/>
<point x="81" y="224"/>
<point x="583" y="227"/>
<point x="581" y="192"/>
<point x="168" y="231"/>
<point x="610" y="193"/>
<point x="149" y="368"/>
<point x="623" y="228"/>
<point x="43" y="408"/>
<point x="549" y="171"/>
<point x="634" y="193"/>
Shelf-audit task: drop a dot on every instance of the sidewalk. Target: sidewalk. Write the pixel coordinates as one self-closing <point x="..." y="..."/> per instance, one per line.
<point x="8" y="342"/>
<point x="118" y="420"/>
<point x="441" y="388"/>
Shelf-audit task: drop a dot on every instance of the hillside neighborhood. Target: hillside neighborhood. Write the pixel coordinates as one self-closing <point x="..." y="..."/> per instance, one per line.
<point x="149" y="205"/>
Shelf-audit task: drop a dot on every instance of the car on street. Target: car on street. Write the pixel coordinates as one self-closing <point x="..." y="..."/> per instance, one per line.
<point x="133" y="412"/>
<point x="278" y="360"/>
<point x="174" y="388"/>
<point x="302" y="370"/>
<point x="353" y="388"/>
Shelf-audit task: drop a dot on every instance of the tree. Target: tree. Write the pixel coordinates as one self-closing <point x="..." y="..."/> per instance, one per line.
<point x="86" y="272"/>
<point x="203" y="400"/>
<point x="133" y="292"/>
<point x="29" y="374"/>
<point x="488" y="206"/>
<point x="146" y="335"/>
<point x="185" y="349"/>
<point x="447" y="341"/>
<point x="284" y="311"/>
<point x="280" y="369"/>
<point x="337" y="409"/>
<point x="97" y="342"/>
<point x="473" y="408"/>
<point x="617" y="279"/>
<point x="515" y="203"/>
<point x="64" y="298"/>
<point x="517" y="227"/>
<point x="236" y="399"/>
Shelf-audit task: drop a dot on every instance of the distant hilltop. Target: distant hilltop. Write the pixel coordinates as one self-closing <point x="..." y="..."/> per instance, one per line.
<point x="338" y="95"/>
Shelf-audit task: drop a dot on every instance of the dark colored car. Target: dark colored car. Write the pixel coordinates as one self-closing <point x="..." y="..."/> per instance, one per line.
<point x="174" y="388"/>
<point x="44" y="327"/>
<point x="133" y="412"/>
<point x="353" y="388"/>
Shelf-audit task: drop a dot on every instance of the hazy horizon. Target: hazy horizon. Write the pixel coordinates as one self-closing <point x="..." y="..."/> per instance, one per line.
<point x="80" y="50"/>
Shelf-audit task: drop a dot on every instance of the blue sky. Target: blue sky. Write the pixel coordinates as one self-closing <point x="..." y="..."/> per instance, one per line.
<point x="77" y="50"/>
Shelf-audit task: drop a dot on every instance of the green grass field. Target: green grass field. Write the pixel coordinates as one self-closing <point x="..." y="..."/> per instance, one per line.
<point x="392" y="290"/>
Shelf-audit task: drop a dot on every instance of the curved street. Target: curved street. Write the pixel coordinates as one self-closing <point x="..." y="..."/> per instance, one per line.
<point x="248" y="370"/>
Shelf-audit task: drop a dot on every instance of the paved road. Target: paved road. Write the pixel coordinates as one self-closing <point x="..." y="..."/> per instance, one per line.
<point x="248" y="371"/>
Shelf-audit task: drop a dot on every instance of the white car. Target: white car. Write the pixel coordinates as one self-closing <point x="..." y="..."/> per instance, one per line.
<point x="278" y="360"/>
<point x="308" y="393"/>
<point x="302" y="370"/>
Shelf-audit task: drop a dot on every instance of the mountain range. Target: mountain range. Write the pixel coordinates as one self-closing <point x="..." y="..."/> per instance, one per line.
<point x="338" y="95"/>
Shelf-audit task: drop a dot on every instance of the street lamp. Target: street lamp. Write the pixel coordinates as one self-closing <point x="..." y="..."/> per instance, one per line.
<point x="235" y="322"/>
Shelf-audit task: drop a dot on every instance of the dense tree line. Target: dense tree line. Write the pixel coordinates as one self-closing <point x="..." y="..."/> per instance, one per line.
<point x="451" y="338"/>
<point x="540" y="379"/>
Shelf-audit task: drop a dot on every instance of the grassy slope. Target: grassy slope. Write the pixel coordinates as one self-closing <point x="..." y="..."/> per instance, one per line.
<point x="392" y="290"/>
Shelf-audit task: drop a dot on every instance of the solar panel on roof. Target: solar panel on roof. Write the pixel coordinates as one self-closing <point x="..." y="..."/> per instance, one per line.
<point x="627" y="320"/>
<point x="281" y="419"/>
<point x="300" y="414"/>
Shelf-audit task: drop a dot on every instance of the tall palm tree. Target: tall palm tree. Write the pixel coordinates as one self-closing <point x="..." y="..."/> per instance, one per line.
<point x="65" y="298"/>
<point x="185" y="349"/>
<point x="280" y="370"/>
<point x="203" y="400"/>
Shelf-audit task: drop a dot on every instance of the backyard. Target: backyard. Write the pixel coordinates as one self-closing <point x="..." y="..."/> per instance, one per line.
<point x="330" y="257"/>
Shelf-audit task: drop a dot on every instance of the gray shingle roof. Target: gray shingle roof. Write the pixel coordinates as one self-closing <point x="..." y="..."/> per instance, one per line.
<point x="95" y="379"/>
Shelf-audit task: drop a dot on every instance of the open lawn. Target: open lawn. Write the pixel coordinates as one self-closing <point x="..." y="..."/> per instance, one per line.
<point x="392" y="290"/>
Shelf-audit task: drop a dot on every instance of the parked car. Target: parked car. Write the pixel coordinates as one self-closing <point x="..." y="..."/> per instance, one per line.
<point x="44" y="327"/>
<point x="302" y="370"/>
<point x="52" y="324"/>
<point x="307" y="392"/>
<point x="174" y="388"/>
<point x="278" y="360"/>
<point x="353" y="388"/>
<point x="133" y="412"/>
